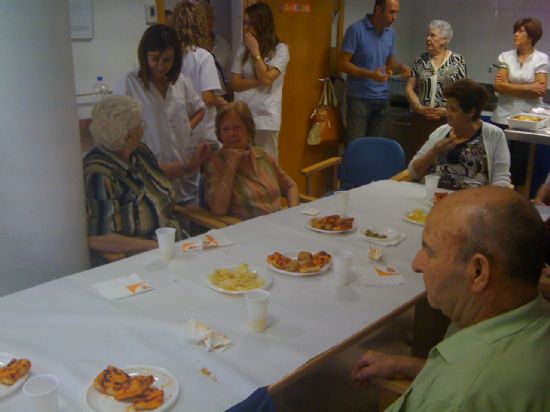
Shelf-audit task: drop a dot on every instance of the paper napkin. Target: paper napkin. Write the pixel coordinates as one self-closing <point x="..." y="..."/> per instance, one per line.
<point x="122" y="287"/>
<point x="197" y="332"/>
<point x="310" y="212"/>
<point x="372" y="278"/>
<point x="212" y="239"/>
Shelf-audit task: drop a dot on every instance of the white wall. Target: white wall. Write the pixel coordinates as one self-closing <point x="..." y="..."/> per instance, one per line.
<point x="118" y="26"/>
<point x="482" y="28"/>
<point x="42" y="209"/>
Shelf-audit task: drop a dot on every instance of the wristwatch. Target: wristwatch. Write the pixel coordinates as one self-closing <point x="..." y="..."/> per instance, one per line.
<point x="258" y="57"/>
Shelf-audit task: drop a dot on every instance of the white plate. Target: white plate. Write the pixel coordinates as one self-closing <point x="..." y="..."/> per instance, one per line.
<point x="332" y="232"/>
<point x="94" y="401"/>
<point x="416" y="222"/>
<point x="294" y="255"/>
<point x="5" y="390"/>
<point x="391" y="234"/>
<point x="265" y="276"/>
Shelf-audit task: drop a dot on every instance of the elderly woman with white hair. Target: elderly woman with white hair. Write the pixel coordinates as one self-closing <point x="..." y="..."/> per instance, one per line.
<point x="434" y="70"/>
<point x="128" y="194"/>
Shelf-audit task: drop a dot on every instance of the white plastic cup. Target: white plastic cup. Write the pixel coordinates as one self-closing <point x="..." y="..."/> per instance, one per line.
<point x="342" y="202"/>
<point x="256" y="308"/>
<point x="341" y="266"/>
<point x="166" y="237"/>
<point x="431" y="182"/>
<point x="41" y="393"/>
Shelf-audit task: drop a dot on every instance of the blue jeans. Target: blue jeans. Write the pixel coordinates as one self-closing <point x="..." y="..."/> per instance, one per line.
<point x="365" y="117"/>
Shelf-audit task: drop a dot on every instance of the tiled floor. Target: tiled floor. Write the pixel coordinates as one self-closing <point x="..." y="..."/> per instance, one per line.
<point x="328" y="388"/>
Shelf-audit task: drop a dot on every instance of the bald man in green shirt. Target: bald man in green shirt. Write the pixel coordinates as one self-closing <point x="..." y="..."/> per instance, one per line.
<point x="482" y="254"/>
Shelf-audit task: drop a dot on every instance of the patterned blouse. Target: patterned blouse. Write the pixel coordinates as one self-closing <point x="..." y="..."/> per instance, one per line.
<point x="464" y="166"/>
<point x="258" y="184"/>
<point x="131" y="199"/>
<point x="430" y="82"/>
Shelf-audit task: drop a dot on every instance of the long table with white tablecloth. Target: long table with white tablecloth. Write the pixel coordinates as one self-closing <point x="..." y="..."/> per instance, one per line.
<point x="67" y="329"/>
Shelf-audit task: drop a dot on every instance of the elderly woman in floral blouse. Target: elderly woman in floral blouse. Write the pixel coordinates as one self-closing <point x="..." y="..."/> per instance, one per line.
<point x="128" y="194"/>
<point x="243" y="180"/>
<point x="434" y="70"/>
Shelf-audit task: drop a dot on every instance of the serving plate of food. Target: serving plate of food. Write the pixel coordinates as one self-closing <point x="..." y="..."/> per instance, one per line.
<point x="417" y="216"/>
<point x="527" y="121"/>
<point x="379" y="234"/>
<point x="14" y="372"/>
<point x="129" y="389"/>
<point x="238" y="280"/>
<point x="331" y="224"/>
<point x="300" y="263"/>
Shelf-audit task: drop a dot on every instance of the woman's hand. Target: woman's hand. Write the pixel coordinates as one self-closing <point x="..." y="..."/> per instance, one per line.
<point x="444" y="146"/>
<point x="251" y="44"/>
<point x="538" y="87"/>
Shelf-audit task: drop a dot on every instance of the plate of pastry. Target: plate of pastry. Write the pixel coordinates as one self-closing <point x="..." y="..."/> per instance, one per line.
<point x="331" y="224"/>
<point x="238" y="280"/>
<point x="14" y="372"/>
<point x="300" y="263"/>
<point x="132" y="388"/>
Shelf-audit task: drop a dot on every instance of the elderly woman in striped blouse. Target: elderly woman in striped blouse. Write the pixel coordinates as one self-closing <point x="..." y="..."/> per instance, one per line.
<point x="243" y="180"/>
<point x="128" y="194"/>
<point x="432" y="71"/>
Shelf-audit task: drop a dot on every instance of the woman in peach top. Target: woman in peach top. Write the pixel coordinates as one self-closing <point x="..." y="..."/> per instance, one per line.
<point x="243" y="180"/>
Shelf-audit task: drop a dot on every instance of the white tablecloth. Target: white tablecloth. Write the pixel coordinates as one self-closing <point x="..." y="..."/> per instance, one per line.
<point x="65" y="328"/>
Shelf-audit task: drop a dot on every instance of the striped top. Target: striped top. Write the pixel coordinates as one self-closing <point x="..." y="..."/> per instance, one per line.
<point x="430" y="82"/>
<point x="131" y="199"/>
<point x="258" y="185"/>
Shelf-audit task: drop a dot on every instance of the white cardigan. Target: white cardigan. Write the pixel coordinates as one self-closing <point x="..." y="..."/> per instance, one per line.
<point x="498" y="155"/>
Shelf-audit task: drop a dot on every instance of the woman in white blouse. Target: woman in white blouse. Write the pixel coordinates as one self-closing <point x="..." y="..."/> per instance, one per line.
<point x="199" y="66"/>
<point x="258" y="73"/>
<point x="520" y="83"/>
<point x="171" y="107"/>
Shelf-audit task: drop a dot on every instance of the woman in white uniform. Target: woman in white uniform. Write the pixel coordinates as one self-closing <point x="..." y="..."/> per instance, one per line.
<point x="258" y="73"/>
<point x="198" y="65"/>
<point x="171" y="107"/>
<point x="520" y="83"/>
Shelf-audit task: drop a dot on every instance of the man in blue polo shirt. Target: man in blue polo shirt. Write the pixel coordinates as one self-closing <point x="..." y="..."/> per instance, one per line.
<point x="367" y="58"/>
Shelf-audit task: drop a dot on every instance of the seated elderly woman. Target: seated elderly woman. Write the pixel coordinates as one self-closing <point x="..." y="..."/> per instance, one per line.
<point x="244" y="180"/>
<point x="466" y="152"/>
<point x="128" y="194"/>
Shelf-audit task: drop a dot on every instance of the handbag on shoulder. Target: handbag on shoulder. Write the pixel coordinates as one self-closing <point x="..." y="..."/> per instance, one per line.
<point x="327" y="122"/>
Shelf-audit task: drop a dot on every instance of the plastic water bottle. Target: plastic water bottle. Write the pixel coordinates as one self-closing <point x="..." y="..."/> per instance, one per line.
<point x="100" y="89"/>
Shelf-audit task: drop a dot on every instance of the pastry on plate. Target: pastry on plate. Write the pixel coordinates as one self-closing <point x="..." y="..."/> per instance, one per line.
<point x="135" y="387"/>
<point x="111" y="380"/>
<point x="152" y="398"/>
<point x="14" y="370"/>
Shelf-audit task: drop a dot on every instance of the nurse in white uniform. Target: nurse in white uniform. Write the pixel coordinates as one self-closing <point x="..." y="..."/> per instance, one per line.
<point x="258" y="73"/>
<point x="198" y="65"/>
<point x="171" y="107"/>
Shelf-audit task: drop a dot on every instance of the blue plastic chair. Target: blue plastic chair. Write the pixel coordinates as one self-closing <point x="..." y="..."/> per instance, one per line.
<point x="365" y="160"/>
<point x="368" y="159"/>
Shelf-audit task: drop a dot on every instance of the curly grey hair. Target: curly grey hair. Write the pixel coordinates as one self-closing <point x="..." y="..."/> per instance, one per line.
<point x="444" y="28"/>
<point x="113" y="119"/>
